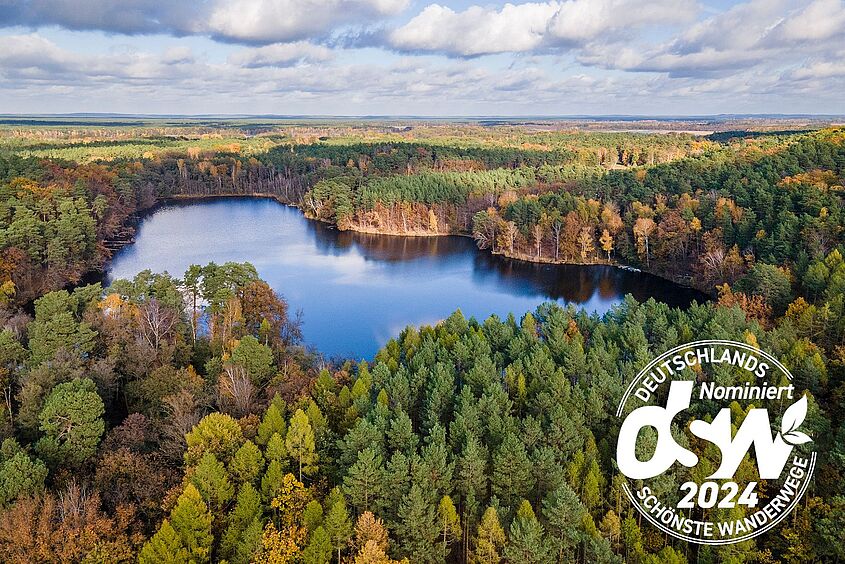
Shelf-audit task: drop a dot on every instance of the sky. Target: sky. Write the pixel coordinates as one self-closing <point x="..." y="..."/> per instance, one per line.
<point x="410" y="57"/>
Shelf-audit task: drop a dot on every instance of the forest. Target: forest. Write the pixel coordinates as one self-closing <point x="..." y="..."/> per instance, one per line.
<point x="180" y="418"/>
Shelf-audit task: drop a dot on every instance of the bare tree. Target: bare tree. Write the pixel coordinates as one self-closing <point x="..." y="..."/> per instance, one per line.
<point x="156" y="322"/>
<point x="236" y="392"/>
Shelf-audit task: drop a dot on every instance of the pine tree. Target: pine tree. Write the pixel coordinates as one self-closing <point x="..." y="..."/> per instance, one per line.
<point x="319" y="549"/>
<point x="272" y="480"/>
<point x="364" y="480"/>
<point x="273" y="422"/>
<point x="247" y="464"/>
<point x="300" y="443"/>
<point x="512" y="476"/>
<point x="165" y="547"/>
<point x="20" y="476"/>
<point x="312" y="517"/>
<point x="525" y="538"/>
<point x="400" y="436"/>
<point x="418" y="530"/>
<point x="490" y="539"/>
<point x="564" y="512"/>
<point x="436" y="468"/>
<point x="337" y="522"/>
<point x="247" y="510"/>
<point x="472" y="468"/>
<point x="191" y="520"/>
<point x="72" y="422"/>
<point x="212" y="481"/>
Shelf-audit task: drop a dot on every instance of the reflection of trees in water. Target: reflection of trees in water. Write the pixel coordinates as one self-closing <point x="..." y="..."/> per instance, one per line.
<point x="578" y="283"/>
<point x="572" y="283"/>
<point x="387" y="248"/>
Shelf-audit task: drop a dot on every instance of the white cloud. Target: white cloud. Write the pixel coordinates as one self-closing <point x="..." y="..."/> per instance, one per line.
<point x="531" y="26"/>
<point x="268" y="21"/>
<point x="570" y="56"/>
<point x="280" y="55"/>
<point x="246" y="21"/>
<point x="578" y="21"/>
<point x="819" y="21"/>
<point x="476" y="30"/>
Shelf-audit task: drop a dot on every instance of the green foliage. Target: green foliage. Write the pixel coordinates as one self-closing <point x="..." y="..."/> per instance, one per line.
<point x="72" y="423"/>
<point x="191" y="520"/>
<point x="418" y="528"/>
<point x="454" y="433"/>
<point x="364" y="480"/>
<point x="525" y="538"/>
<point x="299" y="443"/>
<point x="212" y="481"/>
<point x="58" y="326"/>
<point x="273" y="422"/>
<point x="319" y="549"/>
<point x="165" y="547"/>
<point x="20" y="476"/>
<point x="337" y="522"/>
<point x="239" y="540"/>
<point x="247" y="464"/>
<point x="217" y="434"/>
<point x="256" y="358"/>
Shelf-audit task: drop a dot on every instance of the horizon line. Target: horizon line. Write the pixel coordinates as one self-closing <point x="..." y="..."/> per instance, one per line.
<point x="728" y="115"/>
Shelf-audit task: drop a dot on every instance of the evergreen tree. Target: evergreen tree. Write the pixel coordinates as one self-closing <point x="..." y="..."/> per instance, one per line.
<point x="57" y="326"/>
<point x="247" y="464"/>
<point x="21" y="476"/>
<point x="72" y="422"/>
<point x="418" y="529"/>
<point x="165" y="547"/>
<point x="364" y="480"/>
<point x="312" y="517"/>
<point x="212" y="481"/>
<point x="512" y="475"/>
<point x="564" y="513"/>
<point x="256" y="358"/>
<point x="300" y="443"/>
<point x="191" y="520"/>
<point x="337" y="523"/>
<point x="400" y="436"/>
<point x="525" y="538"/>
<point x="319" y="549"/>
<point x="436" y="470"/>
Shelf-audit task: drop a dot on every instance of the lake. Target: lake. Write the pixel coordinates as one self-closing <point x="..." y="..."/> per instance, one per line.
<point x="358" y="290"/>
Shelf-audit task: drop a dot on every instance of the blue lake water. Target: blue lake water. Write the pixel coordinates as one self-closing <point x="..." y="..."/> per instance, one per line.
<point x="358" y="290"/>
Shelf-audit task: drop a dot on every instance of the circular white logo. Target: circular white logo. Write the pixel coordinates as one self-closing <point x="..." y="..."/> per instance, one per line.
<point x="718" y="399"/>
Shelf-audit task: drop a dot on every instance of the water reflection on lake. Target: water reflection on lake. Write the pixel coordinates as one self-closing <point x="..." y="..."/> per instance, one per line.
<point x="357" y="290"/>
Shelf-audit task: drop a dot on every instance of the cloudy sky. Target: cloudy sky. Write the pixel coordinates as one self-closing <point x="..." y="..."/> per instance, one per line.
<point x="378" y="57"/>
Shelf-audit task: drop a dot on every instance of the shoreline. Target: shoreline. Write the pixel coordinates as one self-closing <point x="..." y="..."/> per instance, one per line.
<point x="187" y="199"/>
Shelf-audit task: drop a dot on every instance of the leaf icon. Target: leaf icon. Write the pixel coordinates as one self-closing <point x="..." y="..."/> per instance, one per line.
<point x="792" y="419"/>
<point x="796" y="438"/>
